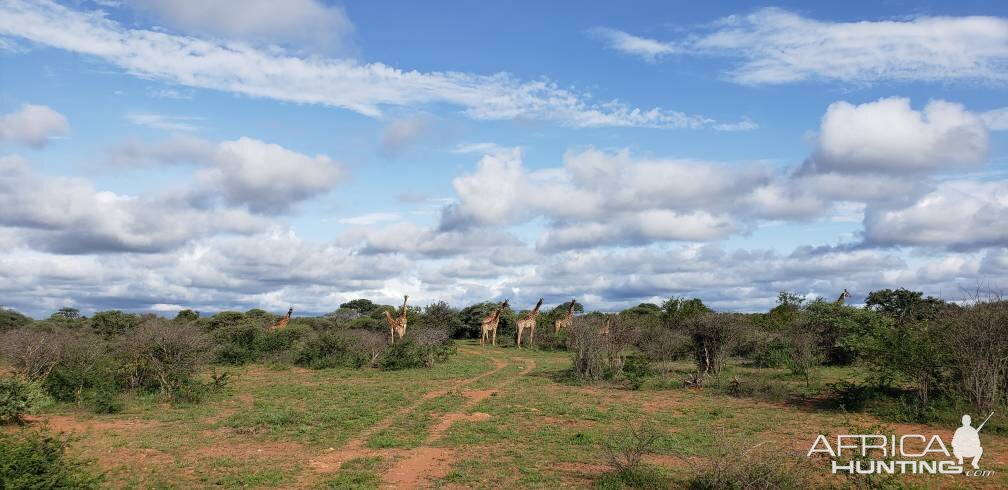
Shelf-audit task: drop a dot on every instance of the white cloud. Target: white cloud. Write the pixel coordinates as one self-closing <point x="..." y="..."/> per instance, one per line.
<point x="957" y="214"/>
<point x="477" y="148"/>
<point x="888" y="136"/>
<point x="775" y="46"/>
<point x="68" y="215"/>
<point x="364" y="88"/>
<point x="291" y="21"/>
<point x="648" y="49"/>
<point x="997" y="119"/>
<point x="267" y="178"/>
<point x="162" y="121"/>
<point x="370" y="218"/>
<point x="33" y="125"/>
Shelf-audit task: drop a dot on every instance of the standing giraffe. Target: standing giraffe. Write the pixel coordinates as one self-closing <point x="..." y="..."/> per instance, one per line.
<point x="285" y="320"/>
<point x="490" y="323"/>
<point x="398" y="324"/>
<point x="844" y="295"/>
<point x="566" y="320"/>
<point x="529" y="322"/>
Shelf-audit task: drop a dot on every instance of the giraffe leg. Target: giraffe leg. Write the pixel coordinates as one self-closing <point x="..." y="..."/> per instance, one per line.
<point x="519" y="336"/>
<point x="532" y="336"/>
<point x="494" y="341"/>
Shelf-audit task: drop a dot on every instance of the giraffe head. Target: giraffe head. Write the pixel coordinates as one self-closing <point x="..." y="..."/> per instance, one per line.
<point x="289" y="311"/>
<point x="845" y="293"/>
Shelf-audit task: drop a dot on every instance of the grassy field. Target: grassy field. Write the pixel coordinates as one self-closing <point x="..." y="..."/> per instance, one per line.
<point x="487" y="418"/>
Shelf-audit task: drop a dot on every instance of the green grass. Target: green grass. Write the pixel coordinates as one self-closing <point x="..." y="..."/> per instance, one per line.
<point x="543" y="429"/>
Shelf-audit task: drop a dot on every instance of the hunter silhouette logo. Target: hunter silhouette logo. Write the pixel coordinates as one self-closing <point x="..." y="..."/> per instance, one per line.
<point x="966" y="441"/>
<point x="908" y="453"/>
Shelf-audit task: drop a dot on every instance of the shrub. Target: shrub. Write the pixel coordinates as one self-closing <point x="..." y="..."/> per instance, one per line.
<point x="442" y="316"/>
<point x="714" y="335"/>
<point x="329" y="350"/>
<point x="597" y="342"/>
<point x="739" y="466"/>
<point x="10" y="319"/>
<point x="636" y="369"/>
<point x="769" y="349"/>
<point x="368" y="345"/>
<point x="660" y="343"/>
<point x="104" y="401"/>
<point x="978" y="338"/>
<point x="236" y="343"/>
<point x="172" y="354"/>
<point x="30" y="459"/>
<point x="84" y="366"/>
<point x="16" y="400"/>
<point x="223" y="319"/>
<point x="31" y="352"/>
<point x="627" y="448"/>
<point x="420" y="348"/>
<point x="279" y="340"/>
<point x="113" y="322"/>
<point x="804" y="353"/>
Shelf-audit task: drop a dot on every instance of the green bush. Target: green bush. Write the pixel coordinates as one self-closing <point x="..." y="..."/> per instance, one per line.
<point x="328" y="350"/>
<point x="15" y="401"/>
<point x="171" y="354"/>
<point x="10" y="319"/>
<point x="104" y="400"/>
<point x="236" y="343"/>
<point x="420" y="348"/>
<point x="83" y="365"/>
<point x="113" y="322"/>
<point x="38" y="460"/>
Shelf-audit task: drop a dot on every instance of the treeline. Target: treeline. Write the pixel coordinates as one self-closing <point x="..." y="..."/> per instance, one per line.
<point x="923" y="354"/>
<point x="921" y="358"/>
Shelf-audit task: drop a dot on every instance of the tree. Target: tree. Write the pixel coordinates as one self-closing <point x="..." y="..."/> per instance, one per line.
<point x="113" y="322"/>
<point x="67" y="314"/>
<point x="187" y="315"/>
<point x="904" y="305"/>
<point x="363" y="306"/>
<point x="675" y="311"/>
<point x="442" y="316"/>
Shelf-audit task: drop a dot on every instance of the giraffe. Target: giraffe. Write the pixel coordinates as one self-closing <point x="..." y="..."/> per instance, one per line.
<point x="490" y="324"/>
<point x="398" y="324"/>
<point x="606" y="325"/>
<point x="285" y="320"/>
<point x="529" y="322"/>
<point x="844" y="295"/>
<point x="566" y="320"/>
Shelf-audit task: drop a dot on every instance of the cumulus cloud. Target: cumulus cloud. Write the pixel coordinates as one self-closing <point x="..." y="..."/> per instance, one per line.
<point x="363" y="88"/>
<point x="265" y="177"/>
<point x="69" y="216"/>
<point x="773" y="46"/>
<point x="33" y="125"/>
<point x="888" y="136"/>
<point x="293" y="21"/>
<point x="648" y="49"/>
<point x="175" y="150"/>
<point x="956" y="214"/>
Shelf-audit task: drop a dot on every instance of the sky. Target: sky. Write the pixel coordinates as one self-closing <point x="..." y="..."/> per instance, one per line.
<point x="165" y="154"/>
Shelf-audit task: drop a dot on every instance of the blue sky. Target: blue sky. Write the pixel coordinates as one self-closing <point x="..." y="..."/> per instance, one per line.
<point x="159" y="155"/>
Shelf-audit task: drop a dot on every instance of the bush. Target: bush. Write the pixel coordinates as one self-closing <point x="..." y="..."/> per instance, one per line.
<point x="84" y="366"/>
<point x="636" y="369"/>
<point x="32" y="353"/>
<point x="596" y="343"/>
<point x="627" y="448"/>
<point x="113" y="322"/>
<point x="420" y="348"/>
<point x="10" y="319"/>
<point x="769" y="350"/>
<point x="804" y="353"/>
<point x="18" y="399"/>
<point x="978" y="340"/>
<point x="714" y="335"/>
<point x="172" y="354"/>
<point x="329" y="350"/>
<point x="737" y="466"/>
<point x="236" y="343"/>
<point x="30" y="459"/>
